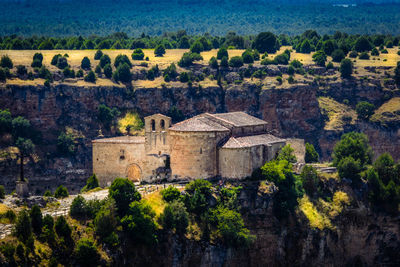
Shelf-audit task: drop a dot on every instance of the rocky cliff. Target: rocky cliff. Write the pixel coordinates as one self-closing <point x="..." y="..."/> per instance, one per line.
<point x="291" y="112"/>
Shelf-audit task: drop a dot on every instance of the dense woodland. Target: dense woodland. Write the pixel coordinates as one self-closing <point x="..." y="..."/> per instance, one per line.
<point x="103" y="17"/>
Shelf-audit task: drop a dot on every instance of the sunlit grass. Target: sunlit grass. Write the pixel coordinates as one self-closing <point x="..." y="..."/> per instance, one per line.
<point x="389" y="111"/>
<point x="316" y="218"/>
<point x="336" y="112"/>
<point x="132" y="120"/>
<point x="155" y="201"/>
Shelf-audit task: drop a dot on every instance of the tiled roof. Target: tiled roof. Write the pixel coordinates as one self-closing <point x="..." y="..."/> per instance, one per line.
<point x="122" y="140"/>
<point x="217" y="122"/>
<point x="198" y="124"/>
<point x="252" y="140"/>
<point x="238" y="119"/>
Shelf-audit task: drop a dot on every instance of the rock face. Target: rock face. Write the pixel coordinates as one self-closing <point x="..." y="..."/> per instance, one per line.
<point x="290" y="112"/>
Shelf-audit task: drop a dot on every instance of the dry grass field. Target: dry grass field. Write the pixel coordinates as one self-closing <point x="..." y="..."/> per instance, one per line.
<point x="388" y="112"/>
<point x="337" y="113"/>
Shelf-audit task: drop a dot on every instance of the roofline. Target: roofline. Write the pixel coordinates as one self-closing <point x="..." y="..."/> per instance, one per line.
<point x="157" y="114"/>
<point x="233" y="125"/>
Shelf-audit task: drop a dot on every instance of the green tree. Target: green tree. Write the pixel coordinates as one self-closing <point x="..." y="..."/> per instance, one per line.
<point x="305" y="47"/>
<point x="66" y="144"/>
<point x="311" y="154"/>
<point x="346" y="68"/>
<point x="122" y="59"/>
<point x="362" y="44"/>
<point x="349" y="168"/>
<point x="21" y="127"/>
<point x="61" y="192"/>
<point x="188" y="58"/>
<point x="123" y="191"/>
<point x="86" y="253"/>
<point x="3" y="75"/>
<point x="197" y="47"/>
<point x="55" y="58"/>
<point x="338" y="55"/>
<point x="374" y="52"/>
<point x="159" y="51"/>
<point x="138" y="54"/>
<point x="319" y="58"/>
<point x="63" y="229"/>
<point x="123" y="73"/>
<point x="247" y="57"/>
<point x="26" y="148"/>
<point x="386" y="169"/>
<point x="108" y="71"/>
<point x="104" y="60"/>
<point x="175" y="216"/>
<point x="353" y="145"/>
<point x="287" y="153"/>
<point x="364" y="110"/>
<point x="5" y="121"/>
<point x="224" y="62"/>
<point x="91" y="183"/>
<point x="36" y="219"/>
<point x="213" y="63"/>
<point x="236" y="62"/>
<point x="78" y="208"/>
<point x="98" y="54"/>
<point x="23" y="227"/>
<point x="222" y="52"/>
<point x="106" y="115"/>
<point x="105" y="224"/>
<point x="85" y="64"/>
<point x="62" y="63"/>
<point x="266" y="42"/>
<point x="139" y="223"/>
<point x="170" y="194"/>
<point x="90" y="77"/>
<point x="198" y="194"/>
<point x="310" y="180"/>
<point x="6" y="62"/>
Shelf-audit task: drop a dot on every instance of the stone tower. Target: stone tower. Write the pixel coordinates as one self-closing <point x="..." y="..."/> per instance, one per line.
<point x="156" y="129"/>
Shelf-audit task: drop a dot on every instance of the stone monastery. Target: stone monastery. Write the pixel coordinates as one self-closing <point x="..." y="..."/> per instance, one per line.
<point x="227" y="145"/>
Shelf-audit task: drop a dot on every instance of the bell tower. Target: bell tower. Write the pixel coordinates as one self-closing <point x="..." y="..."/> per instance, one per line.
<point x="156" y="130"/>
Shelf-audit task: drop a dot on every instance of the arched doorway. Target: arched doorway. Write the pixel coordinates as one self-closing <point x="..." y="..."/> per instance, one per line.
<point x="134" y="173"/>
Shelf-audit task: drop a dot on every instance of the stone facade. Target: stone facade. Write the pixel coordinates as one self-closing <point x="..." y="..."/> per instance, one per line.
<point x="228" y="145"/>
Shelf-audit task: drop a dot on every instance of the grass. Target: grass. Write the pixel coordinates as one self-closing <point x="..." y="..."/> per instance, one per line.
<point x="320" y="213"/>
<point x="388" y="112"/>
<point x="3" y="208"/>
<point x="336" y="113"/>
<point x="155" y="201"/>
<point x="131" y="119"/>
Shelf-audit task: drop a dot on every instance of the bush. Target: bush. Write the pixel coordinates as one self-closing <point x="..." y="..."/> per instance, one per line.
<point x="90" y="77"/>
<point x="123" y="73"/>
<point x="21" y="70"/>
<point x="2" y="192"/>
<point x="139" y="223"/>
<point x="364" y="56"/>
<point x="86" y="253"/>
<point x="123" y="191"/>
<point x="3" y="75"/>
<point x="170" y="194"/>
<point x="171" y="71"/>
<point x="62" y="228"/>
<point x="198" y="193"/>
<point x="36" y="219"/>
<point x="6" y="62"/>
<point x="374" y="52"/>
<point x="54" y="60"/>
<point x="68" y="73"/>
<point x="188" y="58"/>
<point x="305" y="47"/>
<point x="47" y="193"/>
<point x="213" y="63"/>
<point x="79" y="73"/>
<point x="224" y="62"/>
<point x="108" y="71"/>
<point x="61" y="192"/>
<point x="338" y="55"/>
<point x="247" y="57"/>
<point x="197" y="47"/>
<point x="311" y="154"/>
<point x="362" y="44"/>
<point x="349" y="168"/>
<point x="353" y="54"/>
<point x="105" y="224"/>
<point x="364" y="110"/>
<point x="159" y="51"/>
<point x="104" y="60"/>
<point x="98" y="54"/>
<point x="38" y="56"/>
<point x="138" y="54"/>
<point x="310" y="180"/>
<point x="236" y="62"/>
<point x="122" y="59"/>
<point x="346" y="68"/>
<point x="85" y="64"/>
<point x="287" y="153"/>
<point x="44" y="73"/>
<point x="319" y="58"/>
<point x="78" y="209"/>
<point x="62" y="63"/>
<point x="386" y="169"/>
<point x="222" y="52"/>
<point x="175" y="217"/>
<point x="91" y="183"/>
<point x="106" y="115"/>
<point x="266" y="42"/>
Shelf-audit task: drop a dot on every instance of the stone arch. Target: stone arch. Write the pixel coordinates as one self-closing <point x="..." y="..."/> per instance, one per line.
<point x="162" y="124"/>
<point x="134" y="173"/>
<point x="153" y="125"/>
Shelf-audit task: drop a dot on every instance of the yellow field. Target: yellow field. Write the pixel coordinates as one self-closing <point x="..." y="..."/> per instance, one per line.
<point x="336" y="111"/>
<point x="155" y="201"/>
<point x="389" y="111"/>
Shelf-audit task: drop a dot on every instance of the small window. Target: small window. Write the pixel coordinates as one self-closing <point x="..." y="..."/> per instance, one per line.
<point x="201" y="151"/>
<point x="153" y="125"/>
<point x="122" y="154"/>
<point x="162" y="124"/>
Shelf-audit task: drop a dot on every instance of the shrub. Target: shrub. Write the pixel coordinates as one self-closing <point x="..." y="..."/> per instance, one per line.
<point x="197" y="47"/>
<point x="319" y="58"/>
<point x="386" y="169"/>
<point x="36" y="63"/>
<point x="85" y="64"/>
<point x="54" y="60"/>
<point x="188" y="58"/>
<point x="123" y="191"/>
<point x="98" y="69"/>
<point x="90" y="77"/>
<point x="374" y="52"/>
<point x="61" y="192"/>
<point x="68" y="73"/>
<point x="2" y="192"/>
<point x="175" y="217"/>
<point x="364" y="56"/>
<point x="353" y="145"/>
<point x="247" y="57"/>
<point x="86" y="253"/>
<point x="3" y="75"/>
<point x="139" y="223"/>
<point x="198" y="195"/>
<point x="6" y="62"/>
<point x="213" y="63"/>
<point x="364" y="110"/>
<point x="349" y="168"/>
<point x="62" y="63"/>
<point x="222" y="52"/>
<point x="78" y="209"/>
<point x="122" y="59"/>
<point x="91" y="183"/>
<point x="266" y="42"/>
<point x="123" y="73"/>
<point x="310" y="180"/>
<point x="353" y="54"/>
<point x="311" y="154"/>
<point x="138" y="54"/>
<point x="44" y="73"/>
<point x="47" y="193"/>
<point x="104" y="60"/>
<point x="108" y="71"/>
<point x="170" y="194"/>
<point x="305" y="47"/>
<point x="98" y="54"/>
<point x="279" y="79"/>
<point x="171" y="71"/>
<point x="236" y="62"/>
<point x="105" y="224"/>
<point x="79" y="73"/>
<point x="346" y="68"/>
<point x="362" y="44"/>
<point x="106" y="115"/>
<point x="38" y="56"/>
<point x="338" y="55"/>
<point x="36" y="219"/>
<point x="159" y="51"/>
<point x="296" y="64"/>
<point x="62" y="228"/>
<point x="224" y="62"/>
